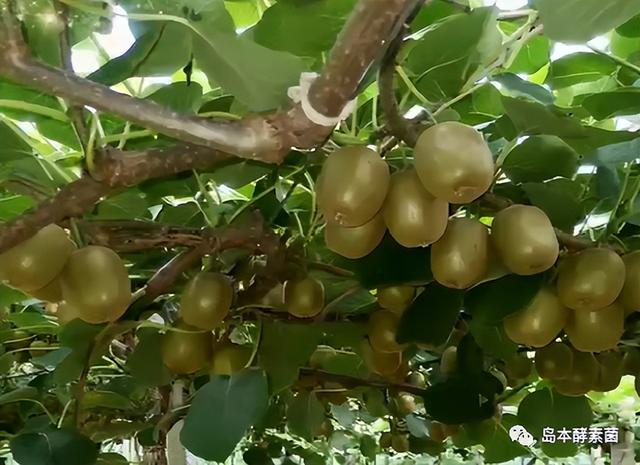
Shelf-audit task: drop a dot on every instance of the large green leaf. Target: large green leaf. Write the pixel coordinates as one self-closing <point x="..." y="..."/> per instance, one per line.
<point x="547" y="408"/>
<point x="534" y="118"/>
<point x="145" y="363"/>
<point x="513" y="85"/>
<point x="314" y="25"/>
<point x="492" y="338"/>
<point x="179" y="96"/>
<point x="578" y="68"/>
<point x="43" y="27"/>
<point x="447" y="55"/>
<point x="559" y="199"/>
<point x="540" y="158"/>
<point x="222" y="411"/>
<point x="625" y="101"/>
<point x="581" y="20"/>
<point x="13" y="147"/>
<point x="533" y="55"/>
<point x="500" y="448"/>
<point x="614" y="154"/>
<point x="431" y="316"/>
<point x="54" y="447"/>
<point x="513" y="293"/>
<point x="305" y="415"/>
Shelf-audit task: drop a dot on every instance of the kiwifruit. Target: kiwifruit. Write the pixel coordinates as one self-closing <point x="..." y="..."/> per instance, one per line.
<point x="355" y="242"/>
<point x="449" y="361"/>
<point x="382" y="329"/>
<point x="400" y="442"/>
<point x="385" y="440"/>
<point x="36" y="348"/>
<point x="524" y="239"/>
<point x="206" y="300"/>
<point x="609" y="371"/>
<point x="66" y="313"/>
<point x="406" y="404"/>
<point x="630" y="294"/>
<point x="597" y="330"/>
<point x="460" y="258"/>
<point x="96" y="283"/>
<point x="304" y="298"/>
<point x="417" y="379"/>
<point x="395" y="298"/>
<point x="451" y="430"/>
<point x="454" y="162"/>
<point x="229" y="358"/>
<point x="438" y="432"/>
<point x="186" y="352"/>
<point x="631" y="361"/>
<point x="518" y="367"/>
<point x="352" y="186"/>
<point x="539" y="322"/>
<point x="35" y="262"/>
<point x="591" y="279"/>
<point x="581" y="378"/>
<point x="381" y="363"/>
<point x="326" y="428"/>
<point x="554" y="361"/>
<point x="321" y="356"/>
<point x="52" y="292"/>
<point x="413" y="216"/>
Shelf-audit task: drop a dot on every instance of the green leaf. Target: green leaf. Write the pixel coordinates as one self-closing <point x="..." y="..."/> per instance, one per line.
<point x="161" y="50"/>
<point x="624" y="101"/>
<point x="284" y="348"/>
<point x="515" y="86"/>
<point x="492" y="339"/>
<point x="559" y="199"/>
<point x="9" y="295"/>
<point x="305" y="415"/>
<point x="13" y="147"/>
<point x="80" y="338"/>
<point x="631" y="28"/>
<point x="431" y="316"/>
<point x="43" y="27"/>
<point x="228" y="407"/>
<point x="179" y="96"/>
<point x="34" y="321"/>
<point x="533" y="55"/>
<point x="484" y="105"/>
<point x="500" y="448"/>
<point x="534" y="118"/>
<point x="54" y="447"/>
<point x="12" y="91"/>
<point x="257" y="76"/>
<point x="145" y="363"/>
<point x="615" y="154"/>
<point x="111" y="458"/>
<point x="547" y="408"/>
<point x="314" y="25"/>
<point x="447" y="55"/>
<point x="539" y="158"/>
<point x="578" y="68"/>
<point x="105" y="399"/>
<point x="239" y="174"/>
<point x="513" y="292"/>
<point x="128" y="204"/>
<point x="581" y="20"/>
<point x="21" y="393"/>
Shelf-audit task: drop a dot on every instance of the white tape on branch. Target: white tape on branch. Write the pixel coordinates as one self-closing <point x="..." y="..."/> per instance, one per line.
<point x="300" y="94"/>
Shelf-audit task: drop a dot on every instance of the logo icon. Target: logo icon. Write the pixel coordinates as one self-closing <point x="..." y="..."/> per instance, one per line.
<point x="519" y="434"/>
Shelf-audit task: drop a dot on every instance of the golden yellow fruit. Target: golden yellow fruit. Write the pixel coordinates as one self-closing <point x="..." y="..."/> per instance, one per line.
<point x="52" y="292"/>
<point x="395" y="298"/>
<point x="417" y="379"/>
<point x="595" y="331"/>
<point x="539" y="322"/>
<point x="554" y="361"/>
<point x="438" y="431"/>
<point x="518" y="367"/>
<point x="524" y="239"/>
<point x="449" y="361"/>
<point x="382" y="329"/>
<point x="413" y="216"/>
<point x="38" y="348"/>
<point x="381" y="363"/>
<point x="66" y="313"/>
<point x="186" y="352"/>
<point x="385" y="440"/>
<point x="355" y="242"/>
<point x="582" y="377"/>
<point x="352" y="186"/>
<point x="591" y="279"/>
<point x="630" y="294"/>
<point x="206" y="300"/>
<point x="96" y="283"/>
<point x="304" y="298"/>
<point x="454" y="162"/>
<point x="406" y="404"/>
<point x="460" y="258"/>
<point x="609" y="371"/>
<point x="35" y="262"/>
<point x="400" y="442"/>
<point x="229" y="358"/>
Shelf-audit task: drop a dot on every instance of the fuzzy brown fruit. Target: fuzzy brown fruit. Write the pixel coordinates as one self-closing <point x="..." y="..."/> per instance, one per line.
<point x="186" y="352"/>
<point x="395" y="298"/>
<point x="352" y="186"/>
<point x="630" y="294"/>
<point x="609" y="371"/>
<point x="582" y="378"/>
<point x="595" y="331"/>
<point x="229" y="358"/>
<point x="554" y="361"/>
<point x="525" y="239"/>
<point x="52" y="292"/>
<point x="96" y="283"/>
<point x="355" y="242"/>
<point x="381" y="363"/>
<point x="539" y="322"/>
<point x="413" y="216"/>
<point x="35" y="262"/>
<point x="454" y="162"/>
<point x="304" y="298"/>
<point x="382" y="329"/>
<point x="591" y="279"/>
<point x="460" y="258"/>
<point x="206" y="300"/>
<point x="518" y="367"/>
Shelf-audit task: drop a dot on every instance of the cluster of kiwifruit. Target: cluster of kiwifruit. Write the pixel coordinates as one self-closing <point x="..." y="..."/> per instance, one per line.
<point x="90" y="283"/>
